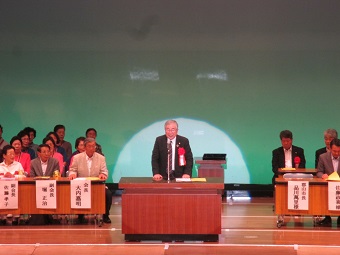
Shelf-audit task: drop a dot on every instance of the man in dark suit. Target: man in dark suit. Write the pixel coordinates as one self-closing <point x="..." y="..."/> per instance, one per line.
<point x="328" y="136"/>
<point x="287" y="154"/>
<point x="178" y="148"/>
<point x="44" y="164"/>
<point x="328" y="164"/>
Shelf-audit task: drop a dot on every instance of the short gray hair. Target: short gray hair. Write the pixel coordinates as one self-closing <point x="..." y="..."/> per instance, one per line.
<point x="168" y="122"/>
<point x="89" y="140"/>
<point x="331" y="132"/>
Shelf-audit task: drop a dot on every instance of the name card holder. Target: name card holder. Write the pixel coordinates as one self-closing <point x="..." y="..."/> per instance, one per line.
<point x="80" y="194"/>
<point x="46" y="194"/>
<point x="298" y="195"/>
<point x="334" y="196"/>
<point x="9" y="194"/>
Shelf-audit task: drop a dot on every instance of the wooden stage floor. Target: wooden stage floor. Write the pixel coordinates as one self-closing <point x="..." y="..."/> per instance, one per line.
<point x="248" y="227"/>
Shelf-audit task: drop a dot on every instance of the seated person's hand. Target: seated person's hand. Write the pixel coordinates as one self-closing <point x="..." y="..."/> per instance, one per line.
<point x="102" y="176"/>
<point x="72" y="176"/>
<point x="324" y="176"/>
<point x="157" y="177"/>
<point x="8" y="175"/>
<point x="185" y="176"/>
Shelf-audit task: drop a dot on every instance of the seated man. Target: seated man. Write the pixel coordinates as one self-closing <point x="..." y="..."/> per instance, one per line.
<point x="329" y="163"/>
<point x="43" y="165"/>
<point x="91" y="164"/>
<point x="287" y="154"/>
<point x="60" y="130"/>
<point x="328" y="136"/>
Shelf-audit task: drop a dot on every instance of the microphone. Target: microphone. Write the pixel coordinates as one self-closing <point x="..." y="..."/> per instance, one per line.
<point x="297" y="161"/>
<point x="169" y="147"/>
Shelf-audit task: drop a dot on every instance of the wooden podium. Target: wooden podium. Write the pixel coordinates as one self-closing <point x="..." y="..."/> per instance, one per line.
<point x="171" y="211"/>
<point x="210" y="168"/>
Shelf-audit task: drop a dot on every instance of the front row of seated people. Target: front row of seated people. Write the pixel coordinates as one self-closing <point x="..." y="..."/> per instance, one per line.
<point x="326" y="159"/>
<point x="84" y="164"/>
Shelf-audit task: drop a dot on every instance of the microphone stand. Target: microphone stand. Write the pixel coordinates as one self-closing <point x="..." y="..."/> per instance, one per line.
<point x="168" y="170"/>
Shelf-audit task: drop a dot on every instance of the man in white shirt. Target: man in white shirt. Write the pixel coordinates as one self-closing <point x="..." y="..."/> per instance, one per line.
<point x="287" y="154"/>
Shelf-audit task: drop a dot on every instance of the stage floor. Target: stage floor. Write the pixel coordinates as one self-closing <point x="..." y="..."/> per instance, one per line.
<point x="248" y="227"/>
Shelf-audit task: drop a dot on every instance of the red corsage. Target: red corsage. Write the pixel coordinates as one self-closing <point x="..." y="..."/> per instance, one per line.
<point x="297" y="161"/>
<point x="181" y="157"/>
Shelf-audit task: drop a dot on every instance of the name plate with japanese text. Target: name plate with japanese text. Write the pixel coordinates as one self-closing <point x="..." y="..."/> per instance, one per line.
<point x="298" y="195"/>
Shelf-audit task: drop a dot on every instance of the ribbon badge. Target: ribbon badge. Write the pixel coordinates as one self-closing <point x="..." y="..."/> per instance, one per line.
<point x="181" y="157"/>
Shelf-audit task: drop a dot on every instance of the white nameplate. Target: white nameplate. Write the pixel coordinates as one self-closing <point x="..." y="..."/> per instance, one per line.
<point x="334" y="196"/>
<point x="298" y="195"/>
<point x="46" y="194"/>
<point x="80" y="194"/>
<point x="9" y="194"/>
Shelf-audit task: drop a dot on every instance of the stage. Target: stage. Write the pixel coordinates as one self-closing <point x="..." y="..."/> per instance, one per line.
<point x="248" y="227"/>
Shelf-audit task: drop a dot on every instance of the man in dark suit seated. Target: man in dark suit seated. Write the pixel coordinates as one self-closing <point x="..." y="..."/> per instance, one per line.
<point x="328" y="136"/>
<point x="329" y="163"/>
<point x="287" y="154"/>
<point x="178" y="147"/>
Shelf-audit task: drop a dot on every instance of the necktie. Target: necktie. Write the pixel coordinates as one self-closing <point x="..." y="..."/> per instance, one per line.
<point x="170" y="158"/>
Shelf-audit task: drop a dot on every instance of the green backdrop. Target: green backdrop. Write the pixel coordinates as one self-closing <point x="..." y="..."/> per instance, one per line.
<point x="248" y="68"/>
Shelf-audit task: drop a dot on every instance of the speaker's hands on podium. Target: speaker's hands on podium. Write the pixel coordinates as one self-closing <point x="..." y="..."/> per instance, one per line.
<point x="102" y="176"/>
<point x="185" y="176"/>
<point x="157" y="177"/>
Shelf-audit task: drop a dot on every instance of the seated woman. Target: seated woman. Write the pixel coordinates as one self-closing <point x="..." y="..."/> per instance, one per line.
<point x="59" y="149"/>
<point x="22" y="157"/>
<point x="8" y="169"/>
<point x="79" y="146"/>
<point x="57" y="146"/>
<point x="54" y="154"/>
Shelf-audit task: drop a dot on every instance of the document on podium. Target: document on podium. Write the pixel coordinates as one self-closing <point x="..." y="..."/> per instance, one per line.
<point x="198" y="179"/>
<point x="183" y="180"/>
<point x="191" y="180"/>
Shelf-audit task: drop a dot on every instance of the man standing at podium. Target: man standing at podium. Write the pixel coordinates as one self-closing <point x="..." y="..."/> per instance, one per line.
<point x="172" y="153"/>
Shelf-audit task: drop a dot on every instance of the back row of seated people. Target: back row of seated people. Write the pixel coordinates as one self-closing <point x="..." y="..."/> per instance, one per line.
<point x="26" y="149"/>
<point x="326" y="159"/>
<point x="14" y="161"/>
